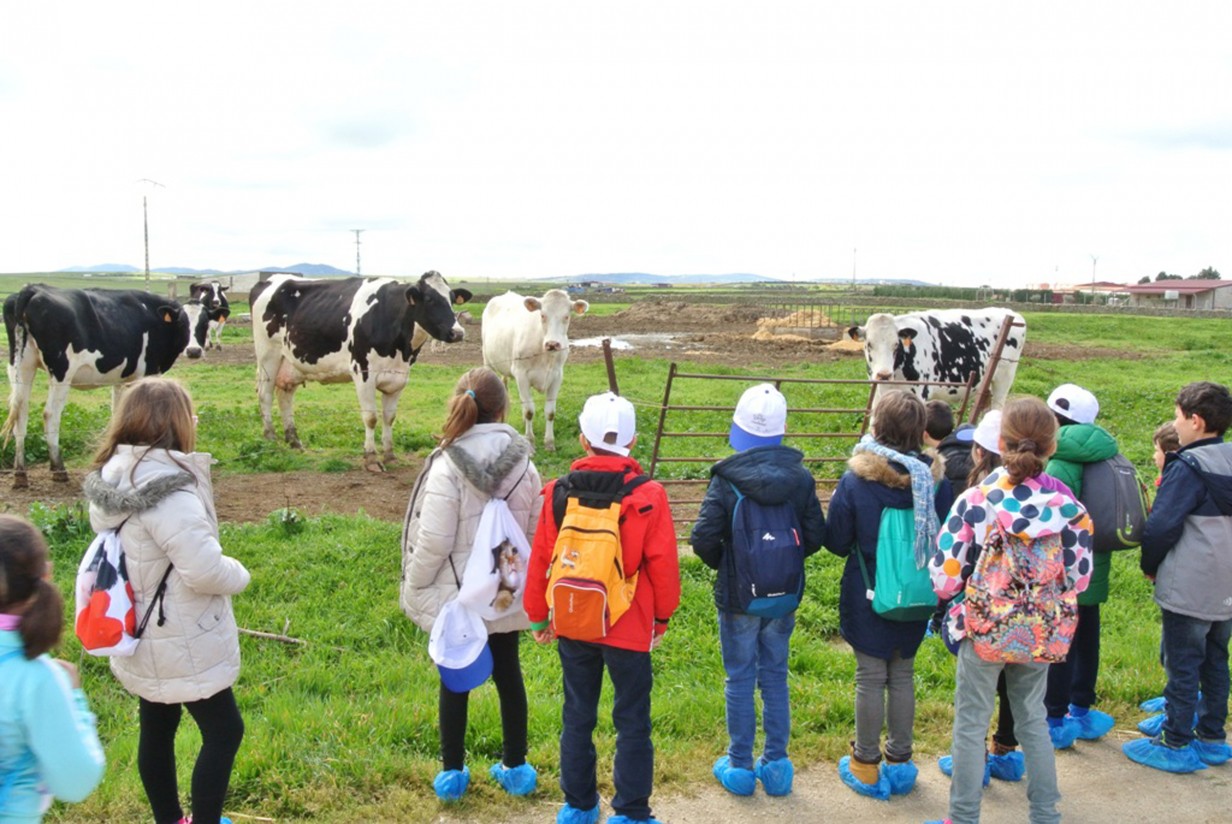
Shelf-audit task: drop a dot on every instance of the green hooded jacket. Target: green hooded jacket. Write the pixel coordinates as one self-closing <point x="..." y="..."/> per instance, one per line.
<point x="1077" y="445"/>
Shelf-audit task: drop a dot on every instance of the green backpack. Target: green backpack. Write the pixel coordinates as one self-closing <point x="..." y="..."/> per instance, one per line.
<point x="903" y="592"/>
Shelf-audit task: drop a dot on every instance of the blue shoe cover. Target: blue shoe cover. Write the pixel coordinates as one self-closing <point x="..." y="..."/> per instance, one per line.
<point x="946" y="764"/>
<point x="1009" y="767"/>
<point x="1064" y="732"/>
<point x="624" y="819"/>
<point x="901" y="775"/>
<point x="1155" y="704"/>
<point x="519" y="780"/>
<point x="1212" y="753"/>
<point x="1092" y="724"/>
<point x="572" y="815"/>
<point x="1147" y="752"/>
<point x="880" y="790"/>
<point x="775" y="776"/>
<point x="736" y="780"/>
<point x="1152" y="726"/>
<point x="450" y="785"/>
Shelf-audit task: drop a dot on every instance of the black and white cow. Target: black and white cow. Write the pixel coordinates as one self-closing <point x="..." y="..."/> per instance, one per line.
<point x="83" y="339"/>
<point x="942" y="345"/>
<point x="213" y="298"/>
<point x="367" y="330"/>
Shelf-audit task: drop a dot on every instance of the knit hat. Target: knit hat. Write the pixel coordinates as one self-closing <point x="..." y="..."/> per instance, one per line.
<point x="760" y="418"/>
<point x="608" y="422"/>
<point x="1074" y="402"/>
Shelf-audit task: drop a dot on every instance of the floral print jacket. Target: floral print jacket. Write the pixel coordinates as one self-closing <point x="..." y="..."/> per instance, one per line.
<point x="1032" y="509"/>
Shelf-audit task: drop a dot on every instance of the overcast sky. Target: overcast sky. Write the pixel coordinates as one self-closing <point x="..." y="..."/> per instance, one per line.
<point x="953" y="142"/>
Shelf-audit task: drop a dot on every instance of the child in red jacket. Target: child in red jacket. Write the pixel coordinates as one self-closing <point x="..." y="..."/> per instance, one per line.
<point x="648" y="546"/>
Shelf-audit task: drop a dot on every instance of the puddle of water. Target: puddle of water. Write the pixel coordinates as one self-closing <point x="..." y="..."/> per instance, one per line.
<point x="626" y="342"/>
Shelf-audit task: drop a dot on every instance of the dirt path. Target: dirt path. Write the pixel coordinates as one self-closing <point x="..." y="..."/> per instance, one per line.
<point x="1098" y="784"/>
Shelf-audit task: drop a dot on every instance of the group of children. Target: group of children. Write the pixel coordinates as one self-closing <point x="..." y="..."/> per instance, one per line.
<point x="1013" y="480"/>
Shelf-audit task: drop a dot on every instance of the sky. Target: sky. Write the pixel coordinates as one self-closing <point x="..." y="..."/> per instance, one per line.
<point x="961" y="143"/>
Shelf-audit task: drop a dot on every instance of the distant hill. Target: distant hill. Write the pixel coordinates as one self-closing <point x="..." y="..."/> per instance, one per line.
<point x="309" y="269"/>
<point x="643" y="278"/>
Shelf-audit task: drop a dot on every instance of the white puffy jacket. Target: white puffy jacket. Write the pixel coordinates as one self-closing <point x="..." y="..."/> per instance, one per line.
<point x="168" y="501"/>
<point x="490" y="459"/>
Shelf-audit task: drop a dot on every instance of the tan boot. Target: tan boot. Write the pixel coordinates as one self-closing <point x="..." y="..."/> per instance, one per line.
<point x="864" y="771"/>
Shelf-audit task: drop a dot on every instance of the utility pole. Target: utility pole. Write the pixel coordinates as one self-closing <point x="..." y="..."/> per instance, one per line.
<point x="1094" y="260"/>
<point x="853" y="270"/>
<point x="357" y="232"/>
<point x="145" y="220"/>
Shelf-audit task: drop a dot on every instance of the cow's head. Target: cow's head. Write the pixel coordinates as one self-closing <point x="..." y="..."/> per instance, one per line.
<point x="169" y="336"/>
<point x="212" y="295"/>
<point x="555" y="309"/>
<point x="887" y="345"/>
<point x="432" y="303"/>
<point x="198" y="327"/>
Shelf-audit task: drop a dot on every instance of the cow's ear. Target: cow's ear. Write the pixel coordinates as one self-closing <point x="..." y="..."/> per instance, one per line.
<point x="460" y="296"/>
<point x="856" y="333"/>
<point x="580" y="307"/>
<point x="223" y="289"/>
<point x="907" y="333"/>
<point x="532" y="304"/>
<point x="195" y="290"/>
<point x="169" y="313"/>
<point x="413" y="295"/>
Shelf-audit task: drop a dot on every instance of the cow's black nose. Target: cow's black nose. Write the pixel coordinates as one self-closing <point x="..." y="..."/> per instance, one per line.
<point x="193" y="353"/>
<point x="456" y="335"/>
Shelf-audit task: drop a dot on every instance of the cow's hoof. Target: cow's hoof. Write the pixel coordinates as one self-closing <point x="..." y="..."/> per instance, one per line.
<point x="60" y="476"/>
<point x="389" y="458"/>
<point x="549" y="447"/>
<point x="20" y="480"/>
<point x="374" y="466"/>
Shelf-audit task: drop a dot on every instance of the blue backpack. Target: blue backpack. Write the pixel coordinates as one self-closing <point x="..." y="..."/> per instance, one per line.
<point x="768" y="557"/>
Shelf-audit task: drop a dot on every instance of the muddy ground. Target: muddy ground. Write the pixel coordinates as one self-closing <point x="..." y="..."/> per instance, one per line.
<point x="702" y="333"/>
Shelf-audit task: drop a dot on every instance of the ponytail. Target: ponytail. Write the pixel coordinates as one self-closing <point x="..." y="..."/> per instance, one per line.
<point x="478" y="397"/>
<point x="43" y="621"/>
<point x="1029" y="429"/>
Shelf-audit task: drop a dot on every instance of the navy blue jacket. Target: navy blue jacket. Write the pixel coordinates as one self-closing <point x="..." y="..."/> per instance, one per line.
<point x="870" y="485"/>
<point x="768" y="475"/>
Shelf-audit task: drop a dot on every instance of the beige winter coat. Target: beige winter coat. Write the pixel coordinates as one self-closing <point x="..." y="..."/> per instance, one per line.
<point x="491" y="459"/>
<point x="168" y="501"/>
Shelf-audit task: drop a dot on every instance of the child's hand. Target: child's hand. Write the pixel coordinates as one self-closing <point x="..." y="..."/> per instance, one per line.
<point x="543" y="636"/>
<point x="74" y="677"/>
<point x="660" y="629"/>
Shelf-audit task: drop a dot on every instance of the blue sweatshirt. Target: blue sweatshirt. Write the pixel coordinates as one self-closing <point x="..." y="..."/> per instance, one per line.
<point x="48" y="744"/>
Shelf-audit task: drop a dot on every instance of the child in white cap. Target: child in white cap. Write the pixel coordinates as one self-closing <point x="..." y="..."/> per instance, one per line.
<point x="755" y="647"/>
<point x="608" y="426"/>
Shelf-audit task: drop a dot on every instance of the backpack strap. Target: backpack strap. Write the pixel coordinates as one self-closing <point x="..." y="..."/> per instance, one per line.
<point x="518" y="482"/>
<point x="160" y="597"/>
<point x="593" y="489"/>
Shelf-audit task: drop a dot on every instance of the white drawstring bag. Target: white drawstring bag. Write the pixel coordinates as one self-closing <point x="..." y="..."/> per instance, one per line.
<point x="495" y="575"/>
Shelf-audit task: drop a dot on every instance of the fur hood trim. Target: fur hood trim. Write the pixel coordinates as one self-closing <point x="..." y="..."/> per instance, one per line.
<point x="871" y="467"/>
<point x="115" y="501"/>
<point x="487" y="478"/>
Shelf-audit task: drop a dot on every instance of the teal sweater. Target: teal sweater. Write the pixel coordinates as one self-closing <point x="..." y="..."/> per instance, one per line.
<point x="48" y="744"/>
<point x="1077" y="445"/>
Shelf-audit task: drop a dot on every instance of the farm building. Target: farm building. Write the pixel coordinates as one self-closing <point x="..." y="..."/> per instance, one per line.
<point x="1182" y="294"/>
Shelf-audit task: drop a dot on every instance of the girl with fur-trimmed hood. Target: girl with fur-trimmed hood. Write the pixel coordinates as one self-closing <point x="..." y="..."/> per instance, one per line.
<point x="480" y="457"/>
<point x="150" y="484"/>
<point x="886" y="471"/>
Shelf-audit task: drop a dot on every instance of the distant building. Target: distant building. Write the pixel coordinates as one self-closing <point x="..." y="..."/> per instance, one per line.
<point x="1182" y="294"/>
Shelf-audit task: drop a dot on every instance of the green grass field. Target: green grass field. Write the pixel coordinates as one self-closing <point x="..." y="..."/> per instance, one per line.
<point x="343" y="729"/>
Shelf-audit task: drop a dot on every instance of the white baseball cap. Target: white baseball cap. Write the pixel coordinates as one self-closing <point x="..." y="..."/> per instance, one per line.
<point x="760" y="418"/>
<point x="987" y="434"/>
<point x="458" y="645"/>
<point x="608" y="422"/>
<point x="1074" y="402"/>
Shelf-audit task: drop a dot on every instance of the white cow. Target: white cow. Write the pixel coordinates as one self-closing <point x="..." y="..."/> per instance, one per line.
<point x="528" y="338"/>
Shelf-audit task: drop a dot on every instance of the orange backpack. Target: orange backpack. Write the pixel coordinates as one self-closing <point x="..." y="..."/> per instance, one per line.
<point x="588" y="588"/>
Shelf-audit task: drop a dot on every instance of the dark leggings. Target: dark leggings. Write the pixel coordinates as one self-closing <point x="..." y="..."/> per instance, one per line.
<point x="222" y="730"/>
<point x="507" y="675"/>
<point x="1005" y="718"/>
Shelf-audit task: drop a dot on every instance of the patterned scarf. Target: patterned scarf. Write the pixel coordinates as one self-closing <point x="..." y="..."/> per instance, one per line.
<point x="926" y="521"/>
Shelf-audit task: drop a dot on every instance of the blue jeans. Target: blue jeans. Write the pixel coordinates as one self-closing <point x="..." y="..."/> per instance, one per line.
<point x="1195" y="657"/>
<point x="755" y="653"/>
<point x="582" y="665"/>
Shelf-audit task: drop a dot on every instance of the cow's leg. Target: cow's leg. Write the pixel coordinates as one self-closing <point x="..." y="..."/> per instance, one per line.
<point x="389" y="411"/>
<point x="266" y="370"/>
<point x="528" y="404"/>
<point x="366" y="390"/>
<point x="57" y="397"/>
<point x="21" y="381"/>
<point x="549" y="412"/>
<point x="286" y="409"/>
